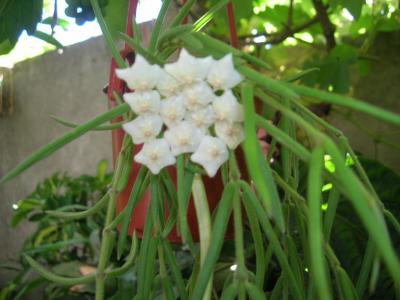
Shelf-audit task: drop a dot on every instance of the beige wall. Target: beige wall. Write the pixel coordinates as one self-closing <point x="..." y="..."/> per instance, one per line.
<point x="68" y="85"/>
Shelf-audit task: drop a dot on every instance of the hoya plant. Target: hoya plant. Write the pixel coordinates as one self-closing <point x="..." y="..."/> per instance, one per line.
<point x="201" y="162"/>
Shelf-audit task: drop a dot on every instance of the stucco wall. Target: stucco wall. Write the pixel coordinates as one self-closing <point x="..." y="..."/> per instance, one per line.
<point x="68" y="85"/>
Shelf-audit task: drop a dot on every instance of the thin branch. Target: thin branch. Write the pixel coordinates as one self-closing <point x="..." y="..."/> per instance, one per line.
<point x="277" y="38"/>
<point x="327" y="26"/>
<point x="290" y="15"/>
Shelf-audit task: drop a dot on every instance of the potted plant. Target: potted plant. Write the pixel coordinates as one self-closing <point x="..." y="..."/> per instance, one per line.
<point x="284" y="214"/>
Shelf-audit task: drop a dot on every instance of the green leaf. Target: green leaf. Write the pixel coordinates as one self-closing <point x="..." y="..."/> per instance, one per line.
<point x="47" y="38"/>
<point x="16" y="16"/>
<point x="115" y="15"/>
<point x="6" y="46"/>
<point x="60" y="22"/>
<point x="334" y="74"/>
<point x="242" y="10"/>
<point x="102" y="169"/>
<point x="353" y="6"/>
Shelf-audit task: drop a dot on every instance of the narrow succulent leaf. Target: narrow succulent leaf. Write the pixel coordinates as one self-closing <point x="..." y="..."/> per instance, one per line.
<point x="208" y="16"/>
<point x="133" y="199"/>
<point x="182" y="14"/>
<point x="256" y="164"/>
<point x="56" y="144"/>
<point x="217" y="236"/>
<point x="81" y="214"/>
<point x="57" y="278"/>
<point x="157" y="26"/>
<point x="98" y="128"/>
<point x="254" y="292"/>
<point x="273" y="239"/>
<point x="348" y="102"/>
<point x="314" y="188"/>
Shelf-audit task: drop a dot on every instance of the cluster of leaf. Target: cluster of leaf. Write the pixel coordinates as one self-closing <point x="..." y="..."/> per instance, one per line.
<point x="64" y="245"/>
<point x="82" y="11"/>
<point x="15" y="17"/>
<point x="19" y="15"/>
<point x="349" y="239"/>
<point x="335" y="66"/>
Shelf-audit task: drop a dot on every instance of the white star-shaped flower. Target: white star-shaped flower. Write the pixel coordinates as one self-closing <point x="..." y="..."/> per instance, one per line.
<point x="202" y="118"/>
<point x="167" y="85"/>
<point x="141" y="76"/>
<point x="232" y="134"/>
<point x="189" y="69"/>
<point x="227" y="108"/>
<point x="183" y="138"/>
<point x="143" y="102"/>
<point x="222" y="74"/>
<point x="197" y="96"/>
<point x="155" y="155"/>
<point x="172" y="110"/>
<point x="210" y="154"/>
<point x="144" y="128"/>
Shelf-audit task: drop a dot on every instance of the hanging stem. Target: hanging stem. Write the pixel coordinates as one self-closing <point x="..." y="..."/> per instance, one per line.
<point x="108" y="237"/>
<point x="241" y="273"/>
<point x="204" y="220"/>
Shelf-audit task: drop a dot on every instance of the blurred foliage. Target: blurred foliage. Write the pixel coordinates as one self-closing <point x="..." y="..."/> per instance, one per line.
<point x="349" y="239"/>
<point x="63" y="245"/>
<point x="68" y="247"/>
<point x="333" y="36"/>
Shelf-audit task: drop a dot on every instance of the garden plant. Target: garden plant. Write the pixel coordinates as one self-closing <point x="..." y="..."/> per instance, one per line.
<point x="200" y="108"/>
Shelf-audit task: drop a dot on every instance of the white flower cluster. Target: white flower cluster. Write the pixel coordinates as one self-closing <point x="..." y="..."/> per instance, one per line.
<point x="182" y="95"/>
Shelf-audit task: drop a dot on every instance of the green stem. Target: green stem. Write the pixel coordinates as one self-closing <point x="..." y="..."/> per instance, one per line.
<point x="241" y="273"/>
<point x="157" y="27"/>
<point x="217" y="238"/>
<point x="204" y="221"/>
<point x="81" y="214"/>
<point x="107" y="34"/>
<point x="182" y="203"/>
<point x="108" y="241"/>
<point x="56" y="278"/>
<point x="314" y="187"/>
<point x="351" y="103"/>
<point x="261" y="261"/>
<point x="273" y="239"/>
<point x="183" y="12"/>
<point x="98" y="128"/>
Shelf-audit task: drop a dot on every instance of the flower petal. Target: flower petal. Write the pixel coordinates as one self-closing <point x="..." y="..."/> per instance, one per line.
<point x="167" y="85"/>
<point x="232" y="134"/>
<point x="222" y="74"/>
<point x="155" y="155"/>
<point x="227" y="108"/>
<point x="141" y="76"/>
<point x="144" y="128"/>
<point x="172" y="110"/>
<point x="183" y="138"/>
<point x="202" y="117"/>
<point x="210" y="154"/>
<point x="189" y="69"/>
<point x="143" y="102"/>
<point x="197" y="95"/>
